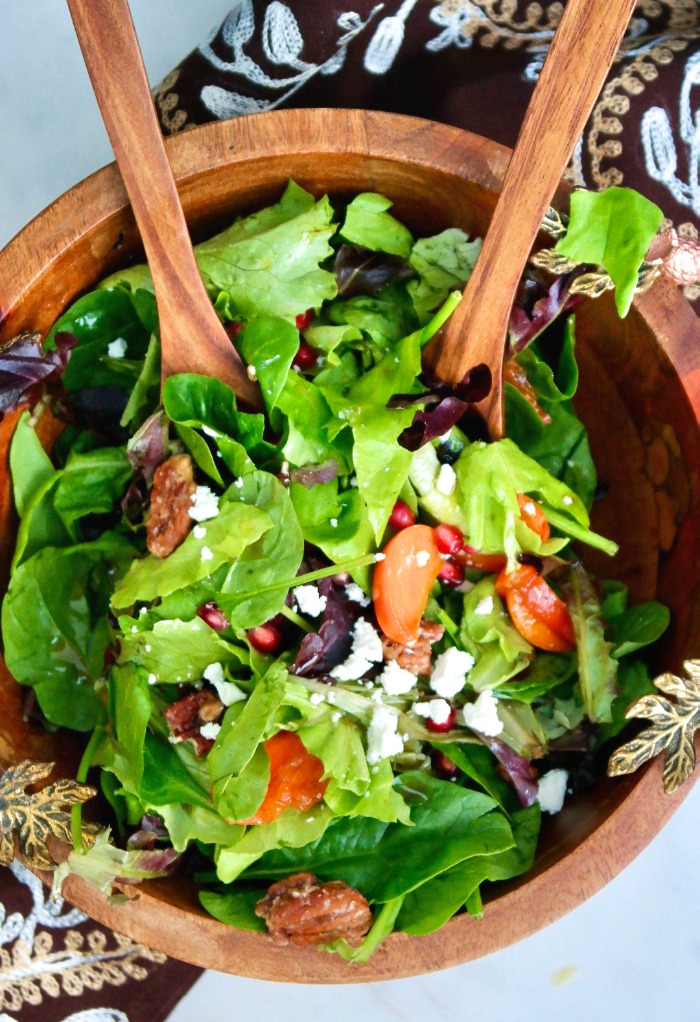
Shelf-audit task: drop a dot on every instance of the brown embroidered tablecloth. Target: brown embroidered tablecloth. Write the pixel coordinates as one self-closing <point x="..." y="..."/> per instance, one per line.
<point x="472" y="63"/>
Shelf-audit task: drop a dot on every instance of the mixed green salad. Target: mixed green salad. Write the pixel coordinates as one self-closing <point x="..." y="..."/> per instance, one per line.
<point x="347" y="641"/>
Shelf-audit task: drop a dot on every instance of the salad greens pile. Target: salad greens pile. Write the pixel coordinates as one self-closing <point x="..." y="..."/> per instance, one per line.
<point x="431" y="782"/>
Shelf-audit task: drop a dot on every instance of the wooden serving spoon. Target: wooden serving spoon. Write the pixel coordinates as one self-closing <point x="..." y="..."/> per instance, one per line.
<point x="191" y="335"/>
<point x="581" y="53"/>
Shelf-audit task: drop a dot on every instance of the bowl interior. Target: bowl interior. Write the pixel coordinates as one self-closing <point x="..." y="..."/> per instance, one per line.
<point x="638" y="397"/>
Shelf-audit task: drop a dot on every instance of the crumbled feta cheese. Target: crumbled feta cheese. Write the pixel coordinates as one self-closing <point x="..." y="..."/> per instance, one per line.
<point x="382" y="739"/>
<point x="309" y="600"/>
<point x="335" y="717"/>
<point x="380" y="557"/>
<point x="334" y="523"/>
<point x="316" y="698"/>
<point x="117" y="348"/>
<point x="484" y="606"/>
<point x="152" y="679"/>
<point x="482" y="716"/>
<point x="252" y="373"/>
<point x="142" y="612"/>
<point x="446" y="480"/>
<point x="422" y="558"/>
<point x="424" y="469"/>
<point x="449" y="673"/>
<point x="353" y="482"/>
<point x="227" y="691"/>
<point x="376" y="697"/>
<point x="352" y="669"/>
<point x="199" y="532"/>
<point x="147" y="648"/>
<point x="437" y="710"/>
<point x="134" y="628"/>
<point x="529" y="508"/>
<point x="395" y="680"/>
<point x="205" y="504"/>
<point x="566" y="499"/>
<point x="366" y="641"/>
<point x="210" y="730"/>
<point x="330" y="698"/>
<point x="552" y="790"/>
<point x="238" y="483"/>
<point x="206" y="554"/>
<point x="356" y="594"/>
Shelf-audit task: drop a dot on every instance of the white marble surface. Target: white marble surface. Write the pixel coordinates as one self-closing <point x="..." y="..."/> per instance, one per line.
<point x="632" y="951"/>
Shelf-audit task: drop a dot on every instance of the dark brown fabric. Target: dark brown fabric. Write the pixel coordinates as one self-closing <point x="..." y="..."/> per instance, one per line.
<point x="471" y="63"/>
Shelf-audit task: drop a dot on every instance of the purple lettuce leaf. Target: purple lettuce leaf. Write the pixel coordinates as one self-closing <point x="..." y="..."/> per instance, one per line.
<point x="149" y="447"/>
<point x="311" y="475"/>
<point x="359" y="271"/>
<point x="24" y="363"/>
<point x="321" y="651"/>
<point x="526" y="325"/>
<point x="518" y="769"/>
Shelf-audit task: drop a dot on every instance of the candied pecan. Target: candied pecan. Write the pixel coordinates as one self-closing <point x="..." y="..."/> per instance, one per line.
<point x="415" y="657"/>
<point x="171" y="498"/>
<point x="302" y="912"/>
<point x="186" y="716"/>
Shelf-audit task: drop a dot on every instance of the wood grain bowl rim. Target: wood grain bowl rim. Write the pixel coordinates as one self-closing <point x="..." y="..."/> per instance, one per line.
<point x="634" y="807"/>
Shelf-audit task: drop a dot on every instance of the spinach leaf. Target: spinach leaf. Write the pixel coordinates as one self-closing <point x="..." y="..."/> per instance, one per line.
<point x="129" y="713"/>
<point x="449" y="824"/>
<point x="633" y="681"/>
<point x="269" y="344"/>
<point x="637" y="627"/>
<point x="235" y="908"/>
<point x="170" y="775"/>
<point x="55" y="628"/>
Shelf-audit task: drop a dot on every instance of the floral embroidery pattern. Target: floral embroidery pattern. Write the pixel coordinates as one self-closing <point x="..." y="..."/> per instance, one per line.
<point x="34" y="965"/>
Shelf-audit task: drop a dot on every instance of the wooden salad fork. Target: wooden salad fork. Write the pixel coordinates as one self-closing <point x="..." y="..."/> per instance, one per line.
<point x="192" y="337"/>
<point x="580" y="56"/>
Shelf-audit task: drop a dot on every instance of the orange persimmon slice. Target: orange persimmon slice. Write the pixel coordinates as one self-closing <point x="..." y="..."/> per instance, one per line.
<point x="403" y="580"/>
<point x="295" y="778"/>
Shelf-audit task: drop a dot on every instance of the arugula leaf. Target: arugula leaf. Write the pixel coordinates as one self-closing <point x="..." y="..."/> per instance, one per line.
<point x="597" y="668"/>
<point x="614" y="229"/>
<point x="367" y="223"/>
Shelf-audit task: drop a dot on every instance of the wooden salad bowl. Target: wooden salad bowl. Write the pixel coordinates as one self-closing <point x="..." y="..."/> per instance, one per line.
<point x="639" y="397"/>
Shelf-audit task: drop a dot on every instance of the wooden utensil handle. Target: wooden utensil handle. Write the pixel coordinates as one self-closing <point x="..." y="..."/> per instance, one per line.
<point x="573" y="75"/>
<point x="112" y="56"/>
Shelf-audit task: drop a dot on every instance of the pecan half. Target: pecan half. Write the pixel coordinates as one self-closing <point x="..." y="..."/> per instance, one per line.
<point x="186" y="716"/>
<point x="302" y="912"/>
<point x="171" y="498"/>
<point x="414" y="658"/>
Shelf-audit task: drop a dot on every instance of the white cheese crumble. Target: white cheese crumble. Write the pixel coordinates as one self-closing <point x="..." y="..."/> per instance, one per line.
<point x="117" y="348"/>
<point x="424" y="469"/>
<point x="395" y="680"/>
<point x="309" y="600"/>
<point x="238" y="483"/>
<point x="449" y="673"/>
<point x="446" y="480"/>
<point x="366" y="650"/>
<point x="484" y="606"/>
<point x="366" y="641"/>
<point x="199" y="532"/>
<point x="529" y="508"/>
<point x="382" y="738"/>
<point x="210" y="730"/>
<point x="227" y="691"/>
<point x="206" y="554"/>
<point x="356" y="594"/>
<point x="152" y="679"/>
<point x="351" y="669"/>
<point x="334" y="523"/>
<point x="380" y="557"/>
<point x="335" y="717"/>
<point x="252" y="373"/>
<point x="482" y="716"/>
<point x="552" y="790"/>
<point x="316" y="698"/>
<point x="566" y="499"/>
<point x="205" y="504"/>
<point x="437" y="710"/>
<point x="422" y="558"/>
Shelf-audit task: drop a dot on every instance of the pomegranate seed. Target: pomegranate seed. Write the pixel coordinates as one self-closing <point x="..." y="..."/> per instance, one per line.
<point x="443" y="766"/>
<point x="304" y="318"/>
<point x="213" y="616"/>
<point x="265" y="638"/>
<point x="306" y="357"/>
<point x="401" y="516"/>
<point x="110" y="657"/>
<point x="446" y="726"/>
<point x="448" y="539"/>
<point x="451" y="574"/>
<point x="232" y="329"/>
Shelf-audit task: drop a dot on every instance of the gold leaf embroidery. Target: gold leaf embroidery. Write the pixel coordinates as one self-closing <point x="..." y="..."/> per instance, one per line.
<point x="35" y="816"/>
<point x="674" y="722"/>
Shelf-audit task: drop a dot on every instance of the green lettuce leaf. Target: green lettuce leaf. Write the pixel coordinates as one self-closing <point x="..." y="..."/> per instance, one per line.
<point x="368" y="223"/>
<point x="597" y="668"/>
<point x="178" y="651"/>
<point x="443" y="263"/>
<point x="613" y="229"/>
